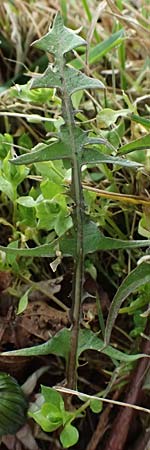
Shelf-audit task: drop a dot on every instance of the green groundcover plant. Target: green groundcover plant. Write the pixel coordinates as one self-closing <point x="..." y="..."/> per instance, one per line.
<point x="76" y="235"/>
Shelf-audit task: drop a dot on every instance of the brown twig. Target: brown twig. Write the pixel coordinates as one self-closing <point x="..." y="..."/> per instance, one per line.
<point x="101" y="426"/>
<point x="143" y="442"/>
<point x="124" y="417"/>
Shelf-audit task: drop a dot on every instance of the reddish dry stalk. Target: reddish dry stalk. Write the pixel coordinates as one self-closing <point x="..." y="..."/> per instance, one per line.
<point x="122" y="423"/>
<point x="143" y="443"/>
<point x="101" y="426"/>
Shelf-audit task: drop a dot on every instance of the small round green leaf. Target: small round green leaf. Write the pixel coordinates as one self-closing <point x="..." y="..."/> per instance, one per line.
<point x="69" y="436"/>
<point x="96" y="405"/>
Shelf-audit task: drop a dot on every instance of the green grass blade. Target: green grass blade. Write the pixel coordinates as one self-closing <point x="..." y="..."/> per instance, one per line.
<point x="100" y="50"/>
<point x="137" y="278"/>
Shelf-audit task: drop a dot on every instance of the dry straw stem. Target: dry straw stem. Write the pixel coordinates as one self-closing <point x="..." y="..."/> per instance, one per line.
<point x="132" y="199"/>
<point x="130" y="22"/>
<point x="105" y="400"/>
<point x="32" y="18"/>
<point x="125" y="198"/>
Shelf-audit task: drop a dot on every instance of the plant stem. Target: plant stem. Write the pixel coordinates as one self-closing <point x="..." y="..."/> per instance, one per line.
<point x="78" y="214"/>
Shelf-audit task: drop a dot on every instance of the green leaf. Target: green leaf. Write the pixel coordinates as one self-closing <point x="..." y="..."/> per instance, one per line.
<point x="96" y="405"/>
<point x="27" y="216"/>
<point x="67" y="246"/>
<point x="90" y="341"/>
<point x="47" y="212"/>
<point x="60" y="345"/>
<point x="7" y="187"/>
<point x="45" y="250"/>
<point x="44" y="152"/>
<point x="108" y="116"/>
<point x="50" y="190"/>
<point x="106" y="243"/>
<point x="137" y="278"/>
<point x="139" y="144"/>
<point x="63" y="222"/>
<point x="49" y="79"/>
<point x="94" y="156"/>
<point x="27" y="201"/>
<point x="11" y="257"/>
<point x="52" y="396"/>
<point x="25" y="141"/>
<point x="93" y="240"/>
<point x="23" y="302"/>
<point x="73" y="80"/>
<point x="59" y="40"/>
<point x="57" y="345"/>
<point x="24" y="92"/>
<point x="52" y="412"/>
<point x="6" y="141"/>
<point x="44" y="421"/>
<point x="144" y="226"/>
<point x="142" y="120"/>
<point x="69" y="436"/>
<point x="62" y="150"/>
<point x="52" y="170"/>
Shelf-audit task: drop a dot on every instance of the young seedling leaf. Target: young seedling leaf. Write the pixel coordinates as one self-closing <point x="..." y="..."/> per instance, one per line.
<point x="50" y="395"/>
<point x="96" y="406"/>
<point x="69" y="436"/>
<point x="44" y="421"/>
<point x="23" y="302"/>
<point x="52" y="412"/>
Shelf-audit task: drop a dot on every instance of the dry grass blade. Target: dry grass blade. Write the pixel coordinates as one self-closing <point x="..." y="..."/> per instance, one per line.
<point x="105" y="400"/>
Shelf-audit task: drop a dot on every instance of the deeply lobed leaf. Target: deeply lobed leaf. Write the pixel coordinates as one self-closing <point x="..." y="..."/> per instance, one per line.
<point x="73" y="79"/>
<point x="60" y="39"/>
